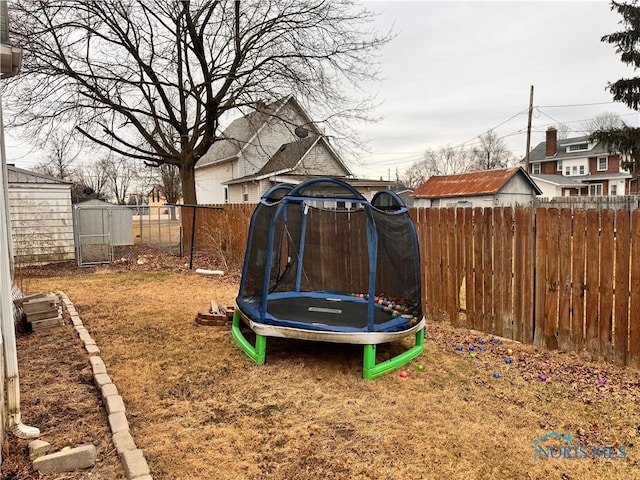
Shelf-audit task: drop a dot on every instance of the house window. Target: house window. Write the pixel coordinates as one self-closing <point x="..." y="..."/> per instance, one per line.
<point x="559" y="165"/>
<point x="577" y="147"/>
<point x="574" y="170"/>
<point x="567" y="170"/>
<point x="613" y="189"/>
<point x="245" y="193"/>
<point x="226" y="194"/>
<point x="581" y="169"/>
<point x="603" y="163"/>
<point x="535" y="168"/>
<point x="595" y="189"/>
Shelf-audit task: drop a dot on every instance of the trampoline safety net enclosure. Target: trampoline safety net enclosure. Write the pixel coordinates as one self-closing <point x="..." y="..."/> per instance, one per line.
<point x="324" y="264"/>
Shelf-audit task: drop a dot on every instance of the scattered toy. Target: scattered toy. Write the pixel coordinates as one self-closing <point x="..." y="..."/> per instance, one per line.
<point x="496" y="374"/>
<point x="403" y="374"/>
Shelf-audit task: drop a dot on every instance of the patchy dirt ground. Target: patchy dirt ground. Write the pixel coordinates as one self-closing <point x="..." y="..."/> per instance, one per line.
<point x="200" y="409"/>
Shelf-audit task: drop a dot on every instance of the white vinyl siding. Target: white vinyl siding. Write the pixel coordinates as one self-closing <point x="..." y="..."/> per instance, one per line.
<point x="209" y="188"/>
<point x="41" y="223"/>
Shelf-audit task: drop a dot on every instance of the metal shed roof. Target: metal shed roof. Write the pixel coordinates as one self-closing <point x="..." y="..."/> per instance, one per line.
<point x="486" y="182"/>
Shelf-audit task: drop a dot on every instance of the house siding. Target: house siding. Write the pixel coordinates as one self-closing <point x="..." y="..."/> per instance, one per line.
<point x="41" y="223"/>
<point x="209" y="188"/>
<point x="276" y="132"/>
<point x="320" y="161"/>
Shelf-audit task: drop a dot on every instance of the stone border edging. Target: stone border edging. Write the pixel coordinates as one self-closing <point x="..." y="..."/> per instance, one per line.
<point x="132" y="458"/>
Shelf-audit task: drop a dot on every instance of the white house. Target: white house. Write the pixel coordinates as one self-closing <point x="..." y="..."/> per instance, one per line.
<point x="488" y="188"/>
<point x="277" y="143"/>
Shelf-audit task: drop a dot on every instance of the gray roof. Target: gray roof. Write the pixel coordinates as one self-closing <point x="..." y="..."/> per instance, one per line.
<point x="578" y="180"/>
<point x="538" y="154"/>
<point x="557" y="179"/>
<point x="289" y="155"/>
<point x="18" y="175"/>
<point x="241" y="131"/>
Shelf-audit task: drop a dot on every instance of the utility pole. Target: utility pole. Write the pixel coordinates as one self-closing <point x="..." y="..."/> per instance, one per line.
<point x="526" y="162"/>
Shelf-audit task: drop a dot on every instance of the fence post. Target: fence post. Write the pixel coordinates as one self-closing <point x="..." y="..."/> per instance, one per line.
<point x="193" y="237"/>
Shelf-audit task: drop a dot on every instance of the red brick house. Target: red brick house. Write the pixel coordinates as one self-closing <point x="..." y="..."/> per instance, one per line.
<point x="578" y="166"/>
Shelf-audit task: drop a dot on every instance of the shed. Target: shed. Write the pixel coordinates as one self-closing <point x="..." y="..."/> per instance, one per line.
<point x="41" y="217"/>
<point x="489" y="188"/>
<point x="100" y="226"/>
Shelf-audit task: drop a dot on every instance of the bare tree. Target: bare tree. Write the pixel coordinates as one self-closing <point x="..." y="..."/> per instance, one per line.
<point x="121" y="175"/>
<point x="150" y="79"/>
<point x="563" y="131"/>
<point x="60" y="156"/>
<point x="602" y="121"/>
<point x="170" y="183"/>
<point x="491" y="153"/>
<point x="446" y="160"/>
<point x="95" y="177"/>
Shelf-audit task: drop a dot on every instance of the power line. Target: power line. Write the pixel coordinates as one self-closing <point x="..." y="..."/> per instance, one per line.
<point x="576" y="105"/>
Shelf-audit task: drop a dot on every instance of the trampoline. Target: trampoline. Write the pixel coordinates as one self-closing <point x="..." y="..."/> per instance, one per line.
<point x="324" y="264"/>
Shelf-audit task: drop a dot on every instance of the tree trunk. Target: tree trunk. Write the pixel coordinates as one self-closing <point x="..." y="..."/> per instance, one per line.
<point x="188" y="178"/>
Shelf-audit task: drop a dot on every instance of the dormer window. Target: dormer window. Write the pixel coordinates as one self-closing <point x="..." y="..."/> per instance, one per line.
<point x="577" y="147"/>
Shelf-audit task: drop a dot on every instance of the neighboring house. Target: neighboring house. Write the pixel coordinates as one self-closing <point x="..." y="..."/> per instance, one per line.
<point x="577" y="166"/>
<point x="277" y="143"/>
<point x="41" y="217"/>
<point x="156" y="201"/>
<point x="487" y="188"/>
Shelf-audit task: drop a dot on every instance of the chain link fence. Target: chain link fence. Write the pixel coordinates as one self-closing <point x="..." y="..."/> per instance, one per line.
<point x="106" y="233"/>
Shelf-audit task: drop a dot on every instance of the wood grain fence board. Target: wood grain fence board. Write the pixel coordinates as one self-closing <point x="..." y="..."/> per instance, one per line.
<point x="487" y="270"/>
<point x="507" y="273"/>
<point x="498" y="290"/>
<point x="468" y="266"/>
<point x="634" y="288"/>
<point x="460" y="263"/>
<point x="605" y="325"/>
<point x="449" y="270"/>
<point x="540" y="276"/>
<point x="552" y="279"/>
<point x="519" y="252"/>
<point x="528" y="290"/>
<point x="564" y="281"/>
<point x="578" y="280"/>
<point x="592" y="252"/>
<point x="436" y="245"/>
<point x="478" y="254"/>
<point x="434" y="252"/>
<point x="621" y="295"/>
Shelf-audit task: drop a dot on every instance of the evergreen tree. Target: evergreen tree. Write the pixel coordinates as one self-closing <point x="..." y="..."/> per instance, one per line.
<point x="625" y="139"/>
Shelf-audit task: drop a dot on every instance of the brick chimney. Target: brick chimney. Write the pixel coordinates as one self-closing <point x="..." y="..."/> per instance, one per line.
<point x="552" y="142"/>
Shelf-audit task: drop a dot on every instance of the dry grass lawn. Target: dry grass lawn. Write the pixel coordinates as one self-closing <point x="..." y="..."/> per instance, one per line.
<point x="200" y="409"/>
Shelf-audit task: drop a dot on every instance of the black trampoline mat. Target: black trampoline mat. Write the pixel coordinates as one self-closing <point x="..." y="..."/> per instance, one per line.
<point x="325" y="312"/>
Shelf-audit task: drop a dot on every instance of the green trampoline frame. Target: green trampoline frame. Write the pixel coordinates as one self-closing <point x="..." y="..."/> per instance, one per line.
<point x="370" y="369"/>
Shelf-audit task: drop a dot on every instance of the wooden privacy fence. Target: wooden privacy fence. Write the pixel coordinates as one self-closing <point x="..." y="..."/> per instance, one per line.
<point x="561" y="279"/>
<point x="219" y="230"/>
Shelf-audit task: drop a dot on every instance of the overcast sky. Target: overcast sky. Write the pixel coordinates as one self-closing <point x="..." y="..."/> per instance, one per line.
<point x="459" y="68"/>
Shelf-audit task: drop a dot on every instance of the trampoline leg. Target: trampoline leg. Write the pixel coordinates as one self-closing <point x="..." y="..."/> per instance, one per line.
<point x="370" y="370"/>
<point x="257" y="353"/>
